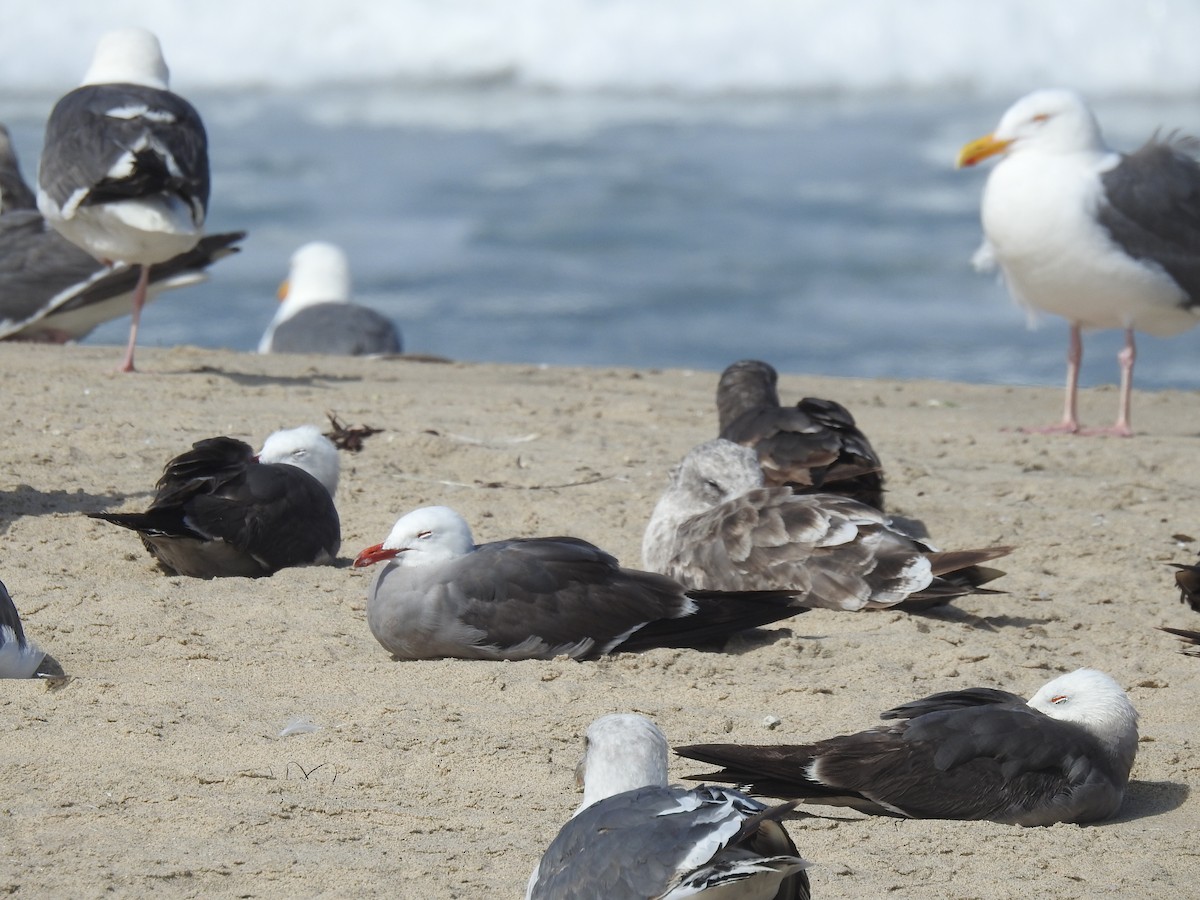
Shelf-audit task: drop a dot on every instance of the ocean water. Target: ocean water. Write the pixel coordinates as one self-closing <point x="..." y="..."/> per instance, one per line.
<point x="655" y="183"/>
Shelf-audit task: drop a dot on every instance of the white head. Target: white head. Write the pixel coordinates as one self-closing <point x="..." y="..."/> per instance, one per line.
<point x="128" y="56"/>
<point x="305" y="448"/>
<point x="624" y="751"/>
<point x="1094" y="701"/>
<point x="319" y="273"/>
<point x="431" y="534"/>
<point x="1050" y="121"/>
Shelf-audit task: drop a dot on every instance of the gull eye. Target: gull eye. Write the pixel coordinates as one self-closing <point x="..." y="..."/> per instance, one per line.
<point x="1041" y="117"/>
<point x="1061" y="698"/>
<point x="421" y="535"/>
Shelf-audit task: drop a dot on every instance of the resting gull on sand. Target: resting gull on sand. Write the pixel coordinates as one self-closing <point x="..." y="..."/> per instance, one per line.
<point x="315" y="314"/>
<point x="18" y="657"/>
<point x="219" y="512"/>
<point x="1063" y="756"/>
<point x="306" y="448"/>
<point x="441" y="595"/>
<point x="634" y="836"/>
<point x="716" y="527"/>
<point x="1103" y="239"/>
<point x="124" y="169"/>
<point x="812" y="447"/>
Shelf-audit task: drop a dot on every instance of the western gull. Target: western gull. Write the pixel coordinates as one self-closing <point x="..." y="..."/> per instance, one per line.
<point x="814" y="446"/>
<point x="218" y="512"/>
<point x="716" y="527"/>
<point x="315" y="314"/>
<point x="1063" y="756"/>
<point x="441" y="595"/>
<point x="1103" y="239"/>
<point x="124" y="169"/>
<point x="18" y="657"/>
<point x="14" y="192"/>
<point x="635" y="836"/>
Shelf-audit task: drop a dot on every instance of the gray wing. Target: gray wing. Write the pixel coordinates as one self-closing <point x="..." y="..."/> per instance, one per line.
<point x="52" y="290"/>
<point x="1152" y="209"/>
<point x="14" y="192"/>
<point x="963" y="757"/>
<point x="834" y="552"/>
<point x="649" y="841"/>
<point x="123" y="141"/>
<point x="344" y="329"/>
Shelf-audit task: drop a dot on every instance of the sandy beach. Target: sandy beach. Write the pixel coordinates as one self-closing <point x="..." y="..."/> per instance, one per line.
<point x="159" y="767"/>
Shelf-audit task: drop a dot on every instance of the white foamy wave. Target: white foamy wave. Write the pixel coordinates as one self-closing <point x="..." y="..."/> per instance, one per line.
<point x="675" y="46"/>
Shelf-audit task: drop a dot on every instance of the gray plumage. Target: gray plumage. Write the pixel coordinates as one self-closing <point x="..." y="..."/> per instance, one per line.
<point x="18" y="657"/>
<point x="716" y="527"/>
<point x="1063" y="756"/>
<point x="344" y="329"/>
<point x="812" y="447"/>
<point x="440" y="595"/>
<point x="637" y="837"/>
<point x="14" y="192"/>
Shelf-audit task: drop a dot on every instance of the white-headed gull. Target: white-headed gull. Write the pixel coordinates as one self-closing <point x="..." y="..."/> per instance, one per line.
<point x="315" y="314"/>
<point x="124" y="168"/>
<point x="635" y="836"/>
<point x="306" y="447"/>
<point x="1103" y="239"/>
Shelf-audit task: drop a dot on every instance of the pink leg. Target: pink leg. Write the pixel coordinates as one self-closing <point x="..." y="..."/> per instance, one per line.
<point x="1126" y="358"/>
<point x="139" y="300"/>
<point x="1070" y="421"/>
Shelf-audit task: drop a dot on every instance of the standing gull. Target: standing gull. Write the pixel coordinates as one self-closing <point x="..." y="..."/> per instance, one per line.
<point x="1063" y="756"/>
<point x="634" y="836"/>
<point x="218" y="512"/>
<point x="717" y="527"/>
<point x="18" y="657"/>
<point x="1103" y="239"/>
<point x="441" y="595"/>
<point x="124" y="170"/>
<point x="814" y="446"/>
<point x="315" y="314"/>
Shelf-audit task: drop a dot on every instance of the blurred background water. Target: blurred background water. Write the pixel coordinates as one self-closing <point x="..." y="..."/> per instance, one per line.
<point x="632" y="182"/>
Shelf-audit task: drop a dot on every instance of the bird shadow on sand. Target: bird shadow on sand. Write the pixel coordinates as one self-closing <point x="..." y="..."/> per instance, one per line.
<point x="25" y="500"/>
<point x="951" y="613"/>
<point x="1150" y="798"/>
<point x="258" y="379"/>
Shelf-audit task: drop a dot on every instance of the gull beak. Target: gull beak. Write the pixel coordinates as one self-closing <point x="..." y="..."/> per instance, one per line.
<point x="979" y="150"/>
<point x="373" y="554"/>
<point x="282" y="291"/>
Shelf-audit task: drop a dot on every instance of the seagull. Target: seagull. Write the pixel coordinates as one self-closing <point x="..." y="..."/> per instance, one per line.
<point x="814" y="446"/>
<point x="15" y="194"/>
<point x="1063" y="756"/>
<point x="441" y="595"/>
<point x="307" y="448"/>
<point x="18" y="657"/>
<point x="635" y="836"/>
<point x="218" y="512"/>
<point x="716" y="527"/>
<point x="1103" y="239"/>
<point x="315" y="313"/>
<point x="124" y="169"/>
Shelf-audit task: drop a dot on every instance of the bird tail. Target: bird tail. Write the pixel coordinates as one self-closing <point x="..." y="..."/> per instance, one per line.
<point x="717" y="615"/>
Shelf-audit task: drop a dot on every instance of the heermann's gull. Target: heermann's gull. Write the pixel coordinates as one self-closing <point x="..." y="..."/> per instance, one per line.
<point x="636" y="837"/>
<point x="441" y="595"/>
<point x="18" y="657"/>
<point x="716" y="527"/>
<point x="305" y="447"/>
<point x="981" y="753"/>
<point x="1190" y="638"/>
<point x="812" y="447"/>
<point x="1105" y="240"/>
<point x="315" y="314"/>
<point x="218" y="512"/>
<point x="15" y="194"/>
<point x="1187" y="579"/>
<point x="124" y="170"/>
